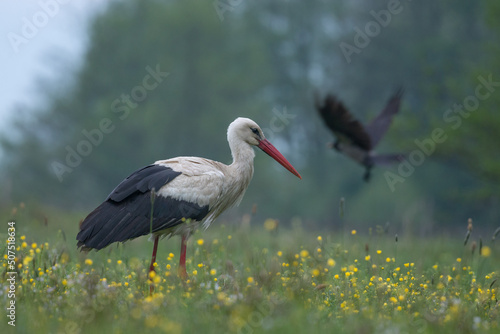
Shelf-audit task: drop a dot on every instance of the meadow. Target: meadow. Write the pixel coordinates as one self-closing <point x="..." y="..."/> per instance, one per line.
<point x="251" y="277"/>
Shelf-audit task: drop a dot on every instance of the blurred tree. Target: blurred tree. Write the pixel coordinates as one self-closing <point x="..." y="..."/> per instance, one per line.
<point x="472" y="116"/>
<point x="160" y="79"/>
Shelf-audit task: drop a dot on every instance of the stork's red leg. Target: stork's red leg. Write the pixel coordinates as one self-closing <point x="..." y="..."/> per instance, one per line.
<point x="153" y="260"/>
<point x="182" y="262"/>
<point x="153" y="257"/>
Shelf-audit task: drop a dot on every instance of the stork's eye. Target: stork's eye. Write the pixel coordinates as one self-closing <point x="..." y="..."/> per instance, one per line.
<point x="254" y="130"/>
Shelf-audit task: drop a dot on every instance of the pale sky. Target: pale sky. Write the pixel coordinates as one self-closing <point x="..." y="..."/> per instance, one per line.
<point x="37" y="38"/>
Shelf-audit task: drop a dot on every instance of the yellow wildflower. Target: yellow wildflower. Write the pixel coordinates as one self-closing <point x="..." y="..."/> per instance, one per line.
<point x="486" y="251"/>
<point x="27" y="260"/>
<point x="270" y="224"/>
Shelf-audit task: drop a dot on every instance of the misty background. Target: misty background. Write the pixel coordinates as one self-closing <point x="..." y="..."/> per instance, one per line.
<point x="93" y="91"/>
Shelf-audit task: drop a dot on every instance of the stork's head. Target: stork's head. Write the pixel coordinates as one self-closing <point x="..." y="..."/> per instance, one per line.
<point x="246" y="130"/>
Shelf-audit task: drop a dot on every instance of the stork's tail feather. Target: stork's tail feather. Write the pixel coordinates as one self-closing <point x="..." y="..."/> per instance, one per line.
<point x="118" y="222"/>
<point x="387" y="159"/>
<point x="95" y="231"/>
<point x="115" y="222"/>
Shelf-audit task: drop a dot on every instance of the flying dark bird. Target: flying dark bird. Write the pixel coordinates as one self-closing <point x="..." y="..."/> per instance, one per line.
<point x="176" y="196"/>
<point x="355" y="140"/>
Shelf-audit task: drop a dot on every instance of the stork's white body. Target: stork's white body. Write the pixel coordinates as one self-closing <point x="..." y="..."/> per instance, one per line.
<point x="206" y="182"/>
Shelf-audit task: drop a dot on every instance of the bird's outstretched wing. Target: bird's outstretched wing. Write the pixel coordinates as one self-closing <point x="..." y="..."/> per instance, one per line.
<point x="126" y="213"/>
<point x="338" y="119"/>
<point x="379" y="125"/>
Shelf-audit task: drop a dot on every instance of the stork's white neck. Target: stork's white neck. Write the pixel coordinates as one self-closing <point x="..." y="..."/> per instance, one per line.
<point x="243" y="155"/>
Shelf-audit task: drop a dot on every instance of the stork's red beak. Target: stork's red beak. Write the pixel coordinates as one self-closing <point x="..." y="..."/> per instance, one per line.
<point x="273" y="152"/>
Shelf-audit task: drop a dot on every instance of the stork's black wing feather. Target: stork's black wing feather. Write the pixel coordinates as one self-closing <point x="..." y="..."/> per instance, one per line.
<point x="126" y="213"/>
<point x="342" y="123"/>
<point x="143" y="180"/>
<point x="380" y="124"/>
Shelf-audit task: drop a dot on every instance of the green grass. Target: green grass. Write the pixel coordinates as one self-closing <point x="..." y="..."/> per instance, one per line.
<point x="249" y="279"/>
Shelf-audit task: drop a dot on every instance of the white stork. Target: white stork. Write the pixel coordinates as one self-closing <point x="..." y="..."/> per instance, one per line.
<point x="176" y="196"/>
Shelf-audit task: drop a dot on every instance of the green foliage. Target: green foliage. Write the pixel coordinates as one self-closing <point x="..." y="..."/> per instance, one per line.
<point x="473" y="143"/>
<point x="258" y="277"/>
